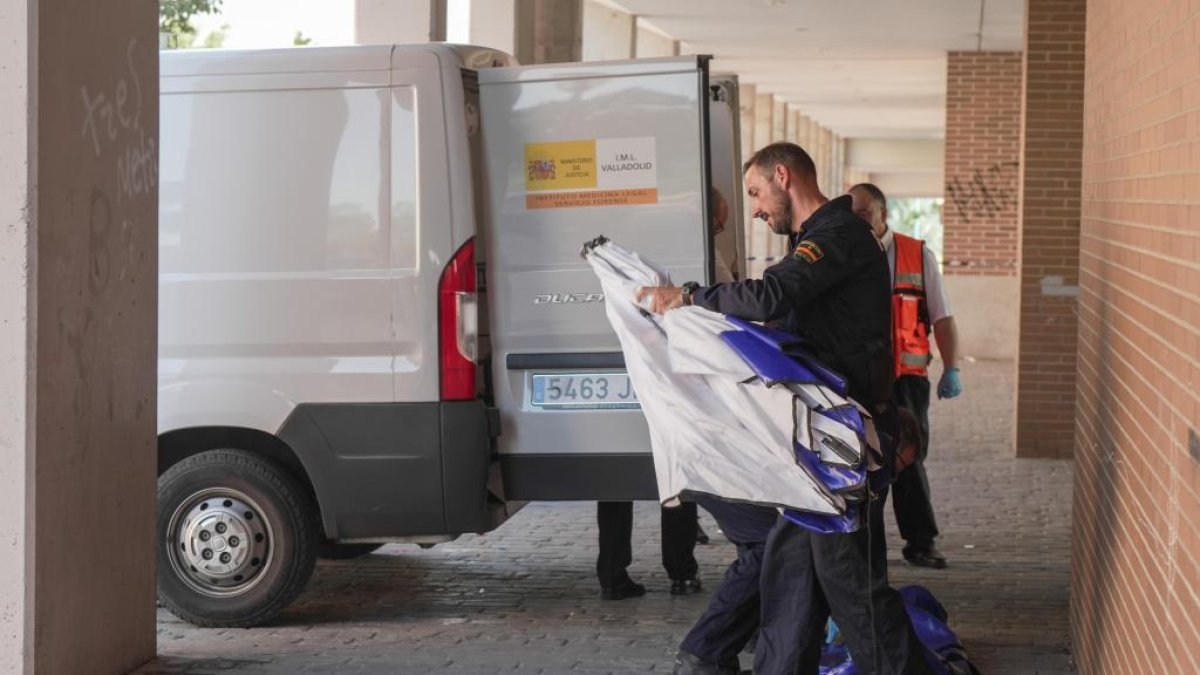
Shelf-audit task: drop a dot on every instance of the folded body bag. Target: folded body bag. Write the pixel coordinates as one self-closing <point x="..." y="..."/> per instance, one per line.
<point x="737" y="410"/>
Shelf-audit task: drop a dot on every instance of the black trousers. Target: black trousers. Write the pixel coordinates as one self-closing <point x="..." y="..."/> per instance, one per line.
<point x="911" y="500"/>
<point x="732" y="615"/>
<point x="615" y="521"/>
<point x="807" y="577"/>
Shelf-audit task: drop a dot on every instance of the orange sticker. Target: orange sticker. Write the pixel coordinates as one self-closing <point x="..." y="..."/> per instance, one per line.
<point x="570" y="200"/>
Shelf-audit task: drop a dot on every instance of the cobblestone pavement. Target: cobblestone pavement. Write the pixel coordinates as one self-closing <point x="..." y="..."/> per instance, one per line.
<point x="523" y="599"/>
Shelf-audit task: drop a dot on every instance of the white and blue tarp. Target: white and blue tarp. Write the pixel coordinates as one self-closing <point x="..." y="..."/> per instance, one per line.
<point x="735" y="409"/>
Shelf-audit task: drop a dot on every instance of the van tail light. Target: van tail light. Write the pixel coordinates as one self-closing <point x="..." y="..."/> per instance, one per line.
<point x="458" y="325"/>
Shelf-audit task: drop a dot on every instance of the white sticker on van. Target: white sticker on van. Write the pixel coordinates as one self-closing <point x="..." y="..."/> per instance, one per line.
<point x="595" y="172"/>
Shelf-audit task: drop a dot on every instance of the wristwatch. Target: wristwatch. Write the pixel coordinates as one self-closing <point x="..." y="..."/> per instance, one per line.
<point x="689" y="288"/>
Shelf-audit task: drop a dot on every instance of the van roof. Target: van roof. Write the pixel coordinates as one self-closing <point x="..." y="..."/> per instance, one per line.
<point x="192" y="62"/>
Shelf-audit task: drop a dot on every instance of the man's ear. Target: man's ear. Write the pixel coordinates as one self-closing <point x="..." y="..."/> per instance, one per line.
<point x="782" y="176"/>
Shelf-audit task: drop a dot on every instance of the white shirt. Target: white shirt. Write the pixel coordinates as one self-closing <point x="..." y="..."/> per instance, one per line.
<point x="935" y="295"/>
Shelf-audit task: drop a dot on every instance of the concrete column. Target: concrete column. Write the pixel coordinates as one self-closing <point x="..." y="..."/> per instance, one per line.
<point x="764" y="131"/>
<point x="755" y="238"/>
<point x="78" y="302"/>
<point x="764" y="124"/>
<point x="608" y="34"/>
<point x="493" y="24"/>
<point x="825" y="161"/>
<point x="399" y="21"/>
<point x="746" y="101"/>
<point x="778" y="245"/>
<point x="651" y="44"/>
<point x="839" y="165"/>
<point x="808" y="136"/>
<point x="549" y="31"/>
<point x="778" y="120"/>
<point x="1052" y="157"/>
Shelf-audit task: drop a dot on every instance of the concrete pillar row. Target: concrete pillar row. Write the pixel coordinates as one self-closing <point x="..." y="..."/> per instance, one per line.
<point x="78" y="319"/>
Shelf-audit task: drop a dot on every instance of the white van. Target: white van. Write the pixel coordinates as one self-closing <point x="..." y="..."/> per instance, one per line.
<point x="375" y="325"/>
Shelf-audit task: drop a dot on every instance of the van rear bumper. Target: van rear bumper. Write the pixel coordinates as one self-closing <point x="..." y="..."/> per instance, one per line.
<point x="568" y="477"/>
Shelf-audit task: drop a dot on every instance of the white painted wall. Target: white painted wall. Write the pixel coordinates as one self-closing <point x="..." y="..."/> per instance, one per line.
<point x="985" y="312"/>
<point x="392" y="21"/>
<point x="493" y="24"/>
<point x="897" y="184"/>
<point x="652" y="44"/>
<point x="15" y="126"/>
<point x="607" y="33"/>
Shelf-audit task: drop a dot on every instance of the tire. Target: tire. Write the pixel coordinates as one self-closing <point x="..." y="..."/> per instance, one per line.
<point x="329" y="550"/>
<point x="237" y="539"/>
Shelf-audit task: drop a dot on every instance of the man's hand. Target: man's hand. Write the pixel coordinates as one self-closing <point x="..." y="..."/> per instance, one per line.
<point x="661" y="298"/>
<point x="950" y="385"/>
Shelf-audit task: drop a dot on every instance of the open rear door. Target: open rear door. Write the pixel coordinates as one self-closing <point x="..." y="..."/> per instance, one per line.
<point x="572" y="152"/>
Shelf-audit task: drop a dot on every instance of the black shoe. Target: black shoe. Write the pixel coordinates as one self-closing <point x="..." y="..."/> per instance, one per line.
<point x="925" y="556"/>
<point x="685" y="586"/>
<point x="690" y="664"/>
<point x="626" y="589"/>
<point x="701" y="536"/>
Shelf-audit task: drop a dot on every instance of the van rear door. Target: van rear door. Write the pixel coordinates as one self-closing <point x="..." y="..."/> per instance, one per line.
<point x="572" y="152"/>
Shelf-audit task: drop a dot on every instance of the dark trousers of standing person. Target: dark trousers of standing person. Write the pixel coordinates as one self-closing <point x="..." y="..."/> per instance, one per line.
<point x="615" y="521"/>
<point x="806" y="577"/>
<point x="910" y="491"/>
<point x="732" y="615"/>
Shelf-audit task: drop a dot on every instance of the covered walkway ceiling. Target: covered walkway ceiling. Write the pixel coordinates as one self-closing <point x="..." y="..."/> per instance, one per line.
<point x="862" y="68"/>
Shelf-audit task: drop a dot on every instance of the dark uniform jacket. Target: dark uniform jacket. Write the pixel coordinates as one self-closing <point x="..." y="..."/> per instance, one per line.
<point x="834" y="291"/>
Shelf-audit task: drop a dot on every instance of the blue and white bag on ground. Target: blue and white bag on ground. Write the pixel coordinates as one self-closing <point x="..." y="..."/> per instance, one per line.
<point x="944" y="654"/>
<point x="737" y="410"/>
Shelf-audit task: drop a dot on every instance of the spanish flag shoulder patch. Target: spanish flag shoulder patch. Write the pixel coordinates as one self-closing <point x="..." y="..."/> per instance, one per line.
<point x="808" y="251"/>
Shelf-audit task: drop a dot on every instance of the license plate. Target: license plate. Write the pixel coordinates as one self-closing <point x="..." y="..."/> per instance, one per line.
<point x="583" y="391"/>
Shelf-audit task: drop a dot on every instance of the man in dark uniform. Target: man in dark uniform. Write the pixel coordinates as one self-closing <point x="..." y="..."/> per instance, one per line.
<point x="615" y="522"/>
<point x="729" y="622"/>
<point x="834" y="291"/>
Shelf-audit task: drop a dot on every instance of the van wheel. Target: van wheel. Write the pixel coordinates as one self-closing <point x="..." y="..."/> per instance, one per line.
<point x="334" y="551"/>
<point x="237" y="539"/>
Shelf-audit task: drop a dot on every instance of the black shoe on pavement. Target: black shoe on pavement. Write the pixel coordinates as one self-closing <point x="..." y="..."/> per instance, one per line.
<point x="685" y="586"/>
<point x="690" y="664"/>
<point x="701" y="535"/>
<point x="925" y="556"/>
<point x="626" y="589"/>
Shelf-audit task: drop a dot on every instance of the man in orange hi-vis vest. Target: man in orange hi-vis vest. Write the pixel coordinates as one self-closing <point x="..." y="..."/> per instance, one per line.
<point x="918" y="304"/>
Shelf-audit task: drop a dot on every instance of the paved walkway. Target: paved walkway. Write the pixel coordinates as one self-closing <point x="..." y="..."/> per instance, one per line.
<point x="523" y="599"/>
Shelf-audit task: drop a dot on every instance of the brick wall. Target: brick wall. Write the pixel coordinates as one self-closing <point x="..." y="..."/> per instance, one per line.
<point x="1134" y="606"/>
<point x="1052" y="137"/>
<point x="983" y="123"/>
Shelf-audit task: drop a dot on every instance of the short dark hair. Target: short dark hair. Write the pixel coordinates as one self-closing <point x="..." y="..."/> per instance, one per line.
<point x="788" y="154"/>
<point x="873" y="190"/>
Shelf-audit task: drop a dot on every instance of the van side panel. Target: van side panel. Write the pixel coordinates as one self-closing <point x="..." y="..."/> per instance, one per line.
<point x="274" y="280"/>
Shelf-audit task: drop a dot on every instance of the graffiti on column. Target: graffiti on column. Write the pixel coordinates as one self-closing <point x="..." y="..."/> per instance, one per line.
<point x="113" y="117"/>
<point x="986" y="192"/>
<point x="119" y="126"/>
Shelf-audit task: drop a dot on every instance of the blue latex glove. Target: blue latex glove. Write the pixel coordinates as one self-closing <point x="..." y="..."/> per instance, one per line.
<point x="950" y="385"/>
